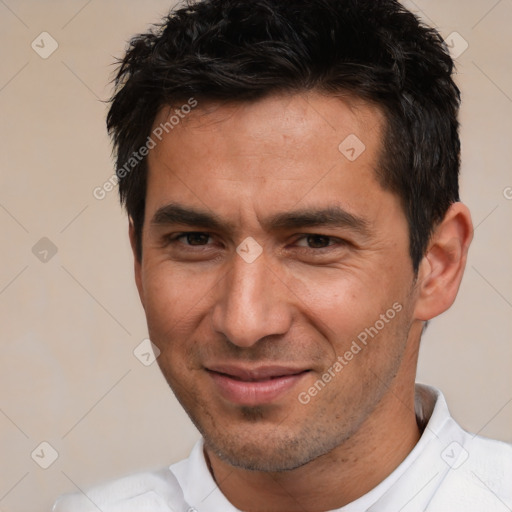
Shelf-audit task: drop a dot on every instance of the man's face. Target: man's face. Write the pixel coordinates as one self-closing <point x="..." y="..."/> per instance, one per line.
<point x="248" y="343"/>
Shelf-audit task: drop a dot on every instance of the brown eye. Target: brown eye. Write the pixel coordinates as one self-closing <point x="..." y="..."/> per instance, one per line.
<point x="189" y="239"/>
<point x="316" y="241"/>
<point x="196" y="238"/>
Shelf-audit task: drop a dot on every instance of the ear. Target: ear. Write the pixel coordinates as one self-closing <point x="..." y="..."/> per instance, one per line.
<point x="441" y="269"/>
<point x="137" y="263"/>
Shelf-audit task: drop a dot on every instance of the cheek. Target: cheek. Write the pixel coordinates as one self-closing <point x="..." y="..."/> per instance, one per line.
<point x="359" y="314"/>
<point x="173" y="299"/>
<point x="340" y="299"/>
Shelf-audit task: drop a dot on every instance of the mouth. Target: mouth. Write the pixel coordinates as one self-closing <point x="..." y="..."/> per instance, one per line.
<point x="254" y="386"/>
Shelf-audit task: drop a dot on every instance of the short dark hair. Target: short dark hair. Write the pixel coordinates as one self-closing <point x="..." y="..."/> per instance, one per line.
<point x="244" y="50"/>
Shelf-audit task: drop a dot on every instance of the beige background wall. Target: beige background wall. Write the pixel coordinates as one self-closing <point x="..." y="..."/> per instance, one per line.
<point x="68" y="375"/>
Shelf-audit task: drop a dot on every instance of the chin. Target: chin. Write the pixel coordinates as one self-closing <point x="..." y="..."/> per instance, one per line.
<point x="267" y="451"/>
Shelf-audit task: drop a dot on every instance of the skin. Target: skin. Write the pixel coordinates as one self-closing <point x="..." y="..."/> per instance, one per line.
<point x="300" y="304"/>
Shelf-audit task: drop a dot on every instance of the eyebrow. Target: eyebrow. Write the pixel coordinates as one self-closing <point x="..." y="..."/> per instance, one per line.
<point x="331" y="216"/>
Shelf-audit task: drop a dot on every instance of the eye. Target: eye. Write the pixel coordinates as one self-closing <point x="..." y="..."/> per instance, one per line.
<point x="192" y="246"/>
<point x="193" y="238"/>
<point x="313" y="241"/>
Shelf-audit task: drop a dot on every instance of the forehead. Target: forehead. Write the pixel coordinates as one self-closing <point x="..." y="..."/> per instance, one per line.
<point x="296" y="114"/>
<point x="278" y="151"/>
<point x="278" y="126"/>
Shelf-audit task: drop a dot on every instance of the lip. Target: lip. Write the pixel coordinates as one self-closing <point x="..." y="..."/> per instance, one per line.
<point x="254" y="386"/>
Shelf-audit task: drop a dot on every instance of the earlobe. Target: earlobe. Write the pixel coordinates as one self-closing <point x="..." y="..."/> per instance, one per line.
<point x="137" y="263"/>
<point x="442" y="267"/>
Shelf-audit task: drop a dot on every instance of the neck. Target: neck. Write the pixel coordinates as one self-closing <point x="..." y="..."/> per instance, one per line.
<point x="334" y="479"/>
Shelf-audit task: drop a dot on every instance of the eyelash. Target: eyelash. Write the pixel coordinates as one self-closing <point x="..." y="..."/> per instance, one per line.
<point x="340" y="242"/>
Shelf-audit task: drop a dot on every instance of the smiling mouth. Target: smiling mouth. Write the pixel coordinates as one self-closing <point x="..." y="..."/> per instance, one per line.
<point x="260" y="379"/>
<point x="259" y="386"/>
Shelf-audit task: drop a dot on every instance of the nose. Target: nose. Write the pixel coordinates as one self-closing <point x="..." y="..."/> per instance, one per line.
<point x="252" y="303"/>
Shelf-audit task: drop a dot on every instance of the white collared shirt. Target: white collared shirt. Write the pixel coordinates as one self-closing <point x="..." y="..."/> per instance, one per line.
<point x="449" y="470"/>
